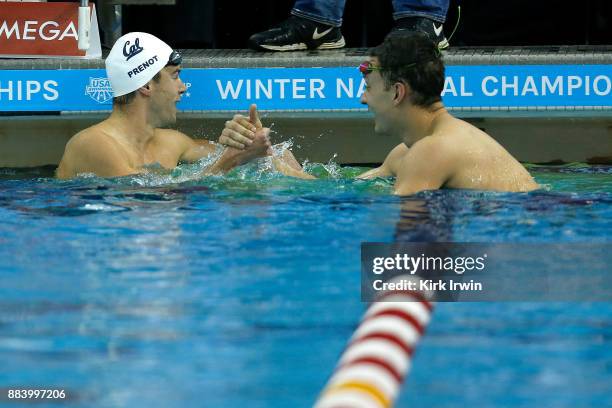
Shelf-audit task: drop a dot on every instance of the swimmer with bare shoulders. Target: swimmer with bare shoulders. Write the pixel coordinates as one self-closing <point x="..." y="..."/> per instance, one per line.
<point x="404" y="79"/>
<point x="144" y="73"/>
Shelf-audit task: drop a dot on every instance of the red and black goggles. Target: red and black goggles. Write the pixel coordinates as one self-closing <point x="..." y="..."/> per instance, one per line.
<point x="366" y="68"/>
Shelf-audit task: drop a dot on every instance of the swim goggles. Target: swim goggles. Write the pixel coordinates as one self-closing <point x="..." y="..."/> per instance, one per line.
<point x="175" y="58"/>
<point x="366" y="68"/>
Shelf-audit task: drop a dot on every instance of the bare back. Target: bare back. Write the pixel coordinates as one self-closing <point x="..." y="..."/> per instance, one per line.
<point x="480" y="162"/>
<point x="458" y="155"/>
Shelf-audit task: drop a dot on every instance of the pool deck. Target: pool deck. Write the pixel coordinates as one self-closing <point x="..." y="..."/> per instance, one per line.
<point x="539" y="132"/>
<point x="240" y="58"/>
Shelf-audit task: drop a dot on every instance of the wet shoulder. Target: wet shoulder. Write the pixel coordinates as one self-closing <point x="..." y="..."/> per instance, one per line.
<point x="439" y="145"/>
<point x="95" y="135"/>
<point x="100" y="129"/>
<point x="171" y="135"/>
<point x="456" y="128"/>
<point x="85" y="149"/>
<point x="461" y="138"/>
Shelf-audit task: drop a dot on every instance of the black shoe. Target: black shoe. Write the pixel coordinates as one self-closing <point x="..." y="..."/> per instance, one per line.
<point x="298" y="33"/>
<point x="425" y="25"/>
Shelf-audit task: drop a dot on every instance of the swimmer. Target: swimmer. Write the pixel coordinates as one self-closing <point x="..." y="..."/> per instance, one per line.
<point x="144" y="75"/>
<point x="404" y="79"/>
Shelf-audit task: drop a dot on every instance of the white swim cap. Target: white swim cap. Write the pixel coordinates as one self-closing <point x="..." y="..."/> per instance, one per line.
<point x="134" y="60"/>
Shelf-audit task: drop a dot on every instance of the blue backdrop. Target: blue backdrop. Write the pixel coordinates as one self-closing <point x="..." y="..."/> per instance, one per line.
<point x="232" y="89"/>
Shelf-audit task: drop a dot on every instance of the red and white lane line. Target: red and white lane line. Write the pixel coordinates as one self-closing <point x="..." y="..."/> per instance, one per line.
<point x="377" y="359"/>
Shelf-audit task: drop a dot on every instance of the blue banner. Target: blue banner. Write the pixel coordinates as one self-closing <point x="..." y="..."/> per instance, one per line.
<point x="337" y="88"/>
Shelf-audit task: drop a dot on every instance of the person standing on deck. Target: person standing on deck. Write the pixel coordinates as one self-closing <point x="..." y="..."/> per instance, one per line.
<point x="404" y="79"/>
<point x="144" y="75"/>
<point x="315" y="24"/>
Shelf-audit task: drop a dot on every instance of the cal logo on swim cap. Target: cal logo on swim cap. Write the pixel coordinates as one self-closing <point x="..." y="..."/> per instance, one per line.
<point x="134" y="60"/>
<point x="133" y="49"/>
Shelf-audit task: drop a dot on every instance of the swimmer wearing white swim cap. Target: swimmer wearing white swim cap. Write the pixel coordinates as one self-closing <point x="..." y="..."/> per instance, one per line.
<point x="144" y="73"/>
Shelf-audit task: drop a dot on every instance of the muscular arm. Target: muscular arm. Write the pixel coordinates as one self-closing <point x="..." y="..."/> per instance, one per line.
<point x="190" y="150"/>
<point x="389" y="166"/>
<point x="284" y="167"/>
<point x="197" y="149"/>
<point x="183" y="147"/>
<point x="426" y="166"/>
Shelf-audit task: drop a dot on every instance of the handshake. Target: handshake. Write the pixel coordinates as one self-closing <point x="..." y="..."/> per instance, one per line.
<point x="246" y="139"/>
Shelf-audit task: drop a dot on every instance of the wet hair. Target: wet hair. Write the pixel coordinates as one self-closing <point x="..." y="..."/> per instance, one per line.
<point x="124" y="100"/>
<point x="413" y="58"/>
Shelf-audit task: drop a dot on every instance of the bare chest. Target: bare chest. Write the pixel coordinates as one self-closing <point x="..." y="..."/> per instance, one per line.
<point x="153" y="155"/>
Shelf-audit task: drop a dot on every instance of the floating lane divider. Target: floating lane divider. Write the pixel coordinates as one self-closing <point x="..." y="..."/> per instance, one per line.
<point x="378" y="357"/>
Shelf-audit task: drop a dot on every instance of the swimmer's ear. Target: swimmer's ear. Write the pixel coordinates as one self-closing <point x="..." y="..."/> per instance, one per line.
<point x="401" y="90"/>
<point x="145" y="90"/>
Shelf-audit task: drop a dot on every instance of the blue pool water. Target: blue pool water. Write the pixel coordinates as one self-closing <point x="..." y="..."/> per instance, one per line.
<point x="158" y="291"/>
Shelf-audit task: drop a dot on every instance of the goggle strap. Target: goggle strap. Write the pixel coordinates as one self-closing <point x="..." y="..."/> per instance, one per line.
<point x="175" y="58"/>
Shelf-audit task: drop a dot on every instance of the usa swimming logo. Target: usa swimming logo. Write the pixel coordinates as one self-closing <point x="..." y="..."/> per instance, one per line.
<point x="99" y="89"/>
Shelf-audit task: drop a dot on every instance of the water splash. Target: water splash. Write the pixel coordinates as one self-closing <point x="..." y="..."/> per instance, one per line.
<point x="279" y="148"/>
<point x="183" y="173"/>
<point x="329" y="170"/>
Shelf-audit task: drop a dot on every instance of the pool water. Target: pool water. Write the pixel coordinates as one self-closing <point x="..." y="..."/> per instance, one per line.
<point x="171" y="290"/>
